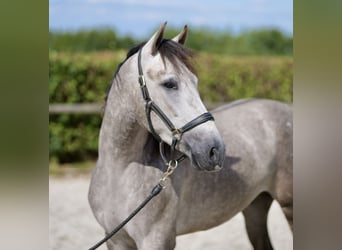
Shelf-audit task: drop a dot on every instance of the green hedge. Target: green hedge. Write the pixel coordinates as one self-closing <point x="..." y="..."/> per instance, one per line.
<point x="224" y="78"/>
<point x="251" y="42"/>
<point x="85" y="78"/>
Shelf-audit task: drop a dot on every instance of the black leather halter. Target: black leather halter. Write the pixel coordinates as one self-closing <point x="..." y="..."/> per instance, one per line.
<point x="177" y="133"/>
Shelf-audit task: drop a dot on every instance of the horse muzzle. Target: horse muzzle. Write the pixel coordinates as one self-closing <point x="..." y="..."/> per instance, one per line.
<point x="208" y="156"/>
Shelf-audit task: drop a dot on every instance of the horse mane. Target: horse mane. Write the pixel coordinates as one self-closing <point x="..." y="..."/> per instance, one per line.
<point x="169" y="49"/>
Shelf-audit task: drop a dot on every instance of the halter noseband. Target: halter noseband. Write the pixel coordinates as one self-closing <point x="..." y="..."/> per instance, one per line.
<point x="177" y="133"/>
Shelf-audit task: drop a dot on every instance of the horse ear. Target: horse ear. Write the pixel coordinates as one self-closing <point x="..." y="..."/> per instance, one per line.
<point x="156" y="39"/>
<point x="181" y="37"/>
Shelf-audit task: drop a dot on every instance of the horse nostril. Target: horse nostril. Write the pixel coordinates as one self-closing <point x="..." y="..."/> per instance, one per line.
<point x="214" y="154"/>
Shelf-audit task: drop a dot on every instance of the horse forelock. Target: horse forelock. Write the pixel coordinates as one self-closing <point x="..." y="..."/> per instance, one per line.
<point x="169" y="49"/>
<point x="175" y="52"/>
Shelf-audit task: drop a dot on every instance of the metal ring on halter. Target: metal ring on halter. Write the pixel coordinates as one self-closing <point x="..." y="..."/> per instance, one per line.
<point x="172" y="165"/>
<point x="162" y="154"/>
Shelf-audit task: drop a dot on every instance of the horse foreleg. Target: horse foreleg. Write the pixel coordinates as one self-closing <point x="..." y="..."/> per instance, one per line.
<point x="121" y="241"/>
<point x="159" y="230"/>
<point x="157" y="242"/>
<point x="119" y="245"/>
<point x="256" y="221"/>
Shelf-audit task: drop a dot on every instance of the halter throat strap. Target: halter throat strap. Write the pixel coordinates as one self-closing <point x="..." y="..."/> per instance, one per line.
<point x="177" y="133"/>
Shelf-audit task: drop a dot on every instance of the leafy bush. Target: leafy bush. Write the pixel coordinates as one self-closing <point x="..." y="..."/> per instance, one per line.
<point x="85" y="78"/>
<point x="78" y="78"/>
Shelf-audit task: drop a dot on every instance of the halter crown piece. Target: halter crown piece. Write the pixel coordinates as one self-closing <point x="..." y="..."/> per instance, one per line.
<point x="177" y="133"/>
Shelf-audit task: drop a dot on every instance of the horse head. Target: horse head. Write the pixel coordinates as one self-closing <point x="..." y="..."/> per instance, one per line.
<point x="170" y="84"/>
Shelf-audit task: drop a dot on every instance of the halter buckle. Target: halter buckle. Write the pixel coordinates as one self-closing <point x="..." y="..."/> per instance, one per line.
<point x="177" y="134"/>
<point x="142" y="81"/>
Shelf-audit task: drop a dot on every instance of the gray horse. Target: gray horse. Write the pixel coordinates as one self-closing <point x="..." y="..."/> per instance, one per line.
<point x="257" y="165"/>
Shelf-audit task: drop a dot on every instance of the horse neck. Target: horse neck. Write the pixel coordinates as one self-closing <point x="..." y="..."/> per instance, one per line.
<point x="122" y="138"/>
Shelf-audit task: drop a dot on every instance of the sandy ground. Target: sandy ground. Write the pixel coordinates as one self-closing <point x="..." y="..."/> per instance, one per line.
<point x="72" y="225"/>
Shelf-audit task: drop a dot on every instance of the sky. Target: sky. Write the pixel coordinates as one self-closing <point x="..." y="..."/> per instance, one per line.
<point x="140" y="18"/>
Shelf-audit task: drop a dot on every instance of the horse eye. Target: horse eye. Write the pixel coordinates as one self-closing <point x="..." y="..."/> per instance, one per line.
<point x="170" y="85"/>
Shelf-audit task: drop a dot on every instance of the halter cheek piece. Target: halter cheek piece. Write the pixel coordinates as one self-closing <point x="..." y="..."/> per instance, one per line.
<point x="177" y="133"/>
